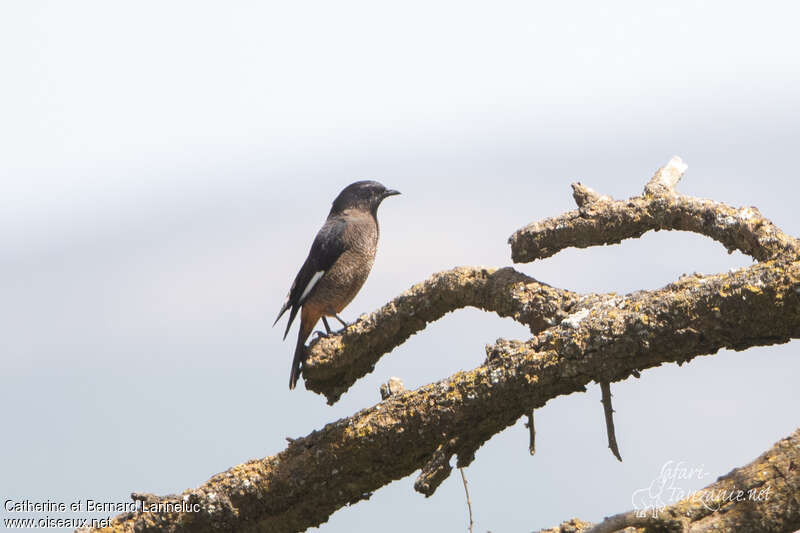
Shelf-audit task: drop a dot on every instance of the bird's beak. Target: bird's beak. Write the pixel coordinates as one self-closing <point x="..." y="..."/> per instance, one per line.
<point x="390" y="192"/>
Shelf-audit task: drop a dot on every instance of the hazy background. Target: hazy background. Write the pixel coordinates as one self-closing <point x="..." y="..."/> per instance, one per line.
<point x="164" y="167"/>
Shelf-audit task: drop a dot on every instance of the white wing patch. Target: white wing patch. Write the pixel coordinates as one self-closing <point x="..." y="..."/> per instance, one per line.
<point x="314" y="279"/>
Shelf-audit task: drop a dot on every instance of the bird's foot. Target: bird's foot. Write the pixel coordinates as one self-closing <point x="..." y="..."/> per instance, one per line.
<point x="344" y="324"/>
<point x="319" y="334"/>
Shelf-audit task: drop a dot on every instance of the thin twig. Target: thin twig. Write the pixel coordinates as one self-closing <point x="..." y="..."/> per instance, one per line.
<point x="466" y="491"/>
<point x="532" y="432"/>
<point x="605" y="387"/>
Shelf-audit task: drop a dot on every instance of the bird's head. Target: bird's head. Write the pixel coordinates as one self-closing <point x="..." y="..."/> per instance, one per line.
<point x="366" y="195"/>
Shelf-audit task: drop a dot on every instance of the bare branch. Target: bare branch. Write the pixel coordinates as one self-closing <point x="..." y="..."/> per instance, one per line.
<point x="531" y="433"/>
<point x="605" y="387"/>
<point x="469" y="503"/>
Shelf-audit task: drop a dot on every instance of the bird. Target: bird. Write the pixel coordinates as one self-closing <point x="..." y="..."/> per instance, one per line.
<point x="337" y="265"/>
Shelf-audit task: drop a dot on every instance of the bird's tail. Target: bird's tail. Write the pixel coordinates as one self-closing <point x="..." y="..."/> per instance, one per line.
<point x="308" y="318"/>
<point x="293" y="314"/>
<point x="284" y="307"/>
<point x="297" y="362"/>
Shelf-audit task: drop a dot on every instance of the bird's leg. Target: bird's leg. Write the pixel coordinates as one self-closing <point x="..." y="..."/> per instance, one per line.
<point x="337" y="317"/>
<point x="327" y="329"/>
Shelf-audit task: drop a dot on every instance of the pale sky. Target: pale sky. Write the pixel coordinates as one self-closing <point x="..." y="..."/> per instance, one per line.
<point x="165" y="166"/>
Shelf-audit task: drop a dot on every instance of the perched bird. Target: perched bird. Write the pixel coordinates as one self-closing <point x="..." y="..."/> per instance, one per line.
<point x="337" y="264"/>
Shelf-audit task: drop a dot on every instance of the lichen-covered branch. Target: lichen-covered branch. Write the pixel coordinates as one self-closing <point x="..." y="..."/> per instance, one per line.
<point x="577" y="339"/>
<point x="762" y="496"/>
<point x="601" y="220"/>
<point x="335" y="362"/>
<point x="347" y="460"/>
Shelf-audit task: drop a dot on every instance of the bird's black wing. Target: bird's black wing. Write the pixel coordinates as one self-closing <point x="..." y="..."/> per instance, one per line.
<point x="328" y="245"/>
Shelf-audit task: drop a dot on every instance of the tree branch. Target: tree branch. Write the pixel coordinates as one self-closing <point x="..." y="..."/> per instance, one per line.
<point x="349" y="459"/>
<point x="335" y="362"/>
<point x="601" y="220"/>
<point x="531" y="433"/>
<point x="762" y="496"/>
<point x="608" y="411"/>
<point x="469" y="503"/>
<point x="577" y="339"/>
